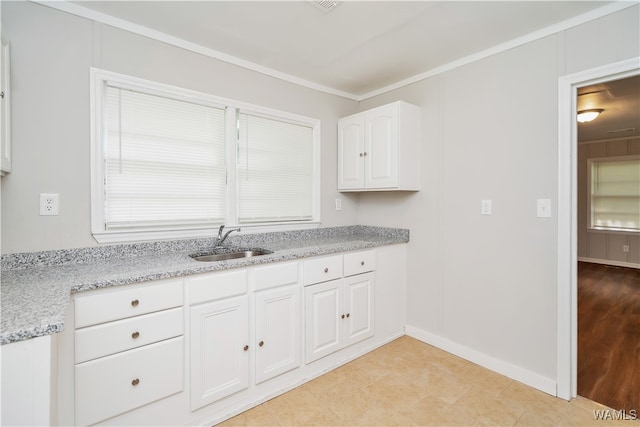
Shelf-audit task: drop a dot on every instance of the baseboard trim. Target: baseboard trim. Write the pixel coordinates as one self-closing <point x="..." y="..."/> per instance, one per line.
<point x="608" y="262"/>
<point x="517" y="373"/>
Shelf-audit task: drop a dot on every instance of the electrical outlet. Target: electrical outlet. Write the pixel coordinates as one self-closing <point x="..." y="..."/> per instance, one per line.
<point x="338" y="204"/>
<point x="49" y="204"/>
<point x="625" y="248"/>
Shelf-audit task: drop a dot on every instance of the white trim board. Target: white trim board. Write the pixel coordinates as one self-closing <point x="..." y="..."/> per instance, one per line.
<point x="78" y="10"/>
<point x="517" y="373"/>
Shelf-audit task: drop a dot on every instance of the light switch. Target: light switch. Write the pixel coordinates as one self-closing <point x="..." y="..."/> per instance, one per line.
<point x="338" y="204"/>
<point x="485" y="207"/>
<point x="544" y="208"/>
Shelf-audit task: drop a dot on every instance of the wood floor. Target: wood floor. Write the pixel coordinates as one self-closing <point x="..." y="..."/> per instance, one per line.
<point x="609" y="335"/>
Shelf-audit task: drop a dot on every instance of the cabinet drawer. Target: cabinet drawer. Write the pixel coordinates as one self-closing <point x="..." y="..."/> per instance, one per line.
<point x="322" y="269"/>
<point x="213" y="286"/>
<point x="275" y="275"/>
<point x="115" y="384"/>
<point x="359" y="262"/>
<point x="114" y="337"/>
<point x="127" y="302"/>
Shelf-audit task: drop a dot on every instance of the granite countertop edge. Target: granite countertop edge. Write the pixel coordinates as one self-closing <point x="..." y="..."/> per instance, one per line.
<point x="37" y="287"/>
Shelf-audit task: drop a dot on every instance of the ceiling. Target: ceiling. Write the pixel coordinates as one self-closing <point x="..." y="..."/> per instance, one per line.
<point x="362" y="48"/>
<point x="357" y="48"/>
<point x="620" y="100"/>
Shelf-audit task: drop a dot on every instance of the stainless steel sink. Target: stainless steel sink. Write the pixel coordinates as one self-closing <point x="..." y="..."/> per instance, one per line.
<point x="229" y="254"/>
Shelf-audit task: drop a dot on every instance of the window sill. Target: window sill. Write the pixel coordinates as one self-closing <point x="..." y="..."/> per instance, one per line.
<point x="149" y="235"/>
<point x="613" y="231"/>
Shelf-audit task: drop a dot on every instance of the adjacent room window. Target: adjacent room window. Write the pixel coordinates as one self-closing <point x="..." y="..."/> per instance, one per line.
<point x="614" y="193"/>
<point x="169" y="162"/>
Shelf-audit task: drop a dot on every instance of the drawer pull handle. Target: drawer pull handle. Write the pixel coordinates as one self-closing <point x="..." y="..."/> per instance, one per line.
<point x="361" y="262"/>
<point x="135" y="335"/>
<point x="246" y="347"/>
<point x="342" y="316"/>
<point x="135" y="303"/>
<point x="261" y="343"/>
<point x="135" y="382"/>
<point x="326" y="270"/>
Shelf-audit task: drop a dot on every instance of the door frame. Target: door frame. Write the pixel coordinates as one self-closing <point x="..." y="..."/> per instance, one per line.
<point x="567" y="277"/>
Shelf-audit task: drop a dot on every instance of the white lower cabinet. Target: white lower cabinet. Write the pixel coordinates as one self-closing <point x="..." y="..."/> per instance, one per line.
<point x="251" y="333"/>
<point x="219" y="350"/>
<point x="223" y="344"/>
<point x="277" y="332"/>
<point x="129" y="348"/>
<point x="115" y="384"/>
<point x="339" y="312"/>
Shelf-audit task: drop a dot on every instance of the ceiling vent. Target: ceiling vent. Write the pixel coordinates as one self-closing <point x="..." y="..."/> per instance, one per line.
<point x="326" y="5"/>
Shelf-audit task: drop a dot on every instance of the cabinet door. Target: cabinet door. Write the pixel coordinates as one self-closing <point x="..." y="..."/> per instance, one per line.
<point x="351" y="153"/>
<point x="359" y="303"/>
<point x="5" y="107"/>
<point x="323" y="303"/>
<point x="277" y="332"/>
<point x="381" y="147"/>
<point x="219" y="350"/>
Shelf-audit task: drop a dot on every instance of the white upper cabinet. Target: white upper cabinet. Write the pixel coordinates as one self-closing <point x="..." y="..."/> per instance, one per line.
<point x="379" y="149"/>
<point x="5" y="108"/>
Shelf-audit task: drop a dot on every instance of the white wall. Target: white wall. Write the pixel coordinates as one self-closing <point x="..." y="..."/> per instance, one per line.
<point x="485" y="286"/>
<point x="51" y="55"/>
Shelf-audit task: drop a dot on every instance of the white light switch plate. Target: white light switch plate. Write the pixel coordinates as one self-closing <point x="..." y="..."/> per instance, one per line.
<point x="485" y="207"/>
<point x="544" y="208"/>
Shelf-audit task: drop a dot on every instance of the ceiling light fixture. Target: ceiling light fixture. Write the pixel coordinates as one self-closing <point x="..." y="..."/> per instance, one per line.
<point x="326" y="5"/>
<point x="588" y="115"/>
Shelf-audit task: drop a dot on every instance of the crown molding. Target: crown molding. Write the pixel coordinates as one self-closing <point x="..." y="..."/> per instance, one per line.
<point x="78" y="10"/>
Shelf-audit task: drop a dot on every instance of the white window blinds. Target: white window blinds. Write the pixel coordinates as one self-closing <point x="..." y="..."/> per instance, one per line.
<point x="615" y="194"/>
<point x="275" y="170"/>
<point x="164" y="161"/>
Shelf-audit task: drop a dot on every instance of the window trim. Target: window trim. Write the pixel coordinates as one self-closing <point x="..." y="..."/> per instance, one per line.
<point x="98" y="77"/>
<point x="590" y="227"/>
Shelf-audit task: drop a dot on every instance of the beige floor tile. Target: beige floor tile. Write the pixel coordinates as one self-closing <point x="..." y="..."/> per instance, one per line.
<point x="257" y="416"/>
<point x="488" y="409"/>
<point x="409" y="383"/>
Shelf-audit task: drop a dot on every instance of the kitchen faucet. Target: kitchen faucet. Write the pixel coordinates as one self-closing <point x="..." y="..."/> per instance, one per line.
<point x="222" y="237"/>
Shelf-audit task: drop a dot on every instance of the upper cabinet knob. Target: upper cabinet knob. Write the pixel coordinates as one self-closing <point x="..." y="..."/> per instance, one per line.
<point x="135" y="303"/>
<point x="326" y="269"/>
<point x="361" y="262"/>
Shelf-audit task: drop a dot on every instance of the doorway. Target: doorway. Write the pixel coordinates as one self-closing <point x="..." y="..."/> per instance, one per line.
<point x="567" y="301"/>
<point x="608" y="289"/>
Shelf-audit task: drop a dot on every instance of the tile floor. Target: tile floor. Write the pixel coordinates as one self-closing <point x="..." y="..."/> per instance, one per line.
<point x="409" y="383"/>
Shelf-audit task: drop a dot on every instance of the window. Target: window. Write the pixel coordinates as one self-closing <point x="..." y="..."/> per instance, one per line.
<point x="169" y="162"/>
<point x="275" y="170"/>
<point x="614" y="193"/>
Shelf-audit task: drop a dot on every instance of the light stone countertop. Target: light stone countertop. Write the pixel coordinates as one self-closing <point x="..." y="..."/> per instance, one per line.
<point x="36" y="287"/>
